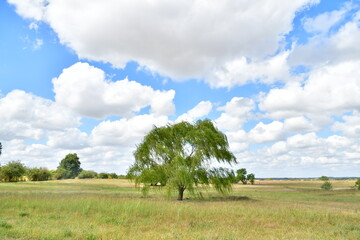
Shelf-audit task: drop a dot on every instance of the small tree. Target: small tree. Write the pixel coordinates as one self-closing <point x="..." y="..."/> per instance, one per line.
<point x="327" y="186"/>
<point x="178" y="157"/>
<point x="251" y="178"/>
<point x="12" y="172"/>
<point x="241" y="175"/>
<point x="69" y="167"/>
<point x="38" y="174"/>
<point x="357" y="184"/>
<point x="324" y="178"/>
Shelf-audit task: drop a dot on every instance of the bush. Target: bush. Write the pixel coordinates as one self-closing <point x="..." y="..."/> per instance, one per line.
<point x="327" y="186"/>
<point x="60" y="173"/>
<point x="324" y="178"/>
<point x="357" y="184"/>
<point x="38" y="174"/>
<point x="12" y="172"/>
<point x="87" y="174"/>
<point x="103" y="175"/>
<point x="113" y="175"/>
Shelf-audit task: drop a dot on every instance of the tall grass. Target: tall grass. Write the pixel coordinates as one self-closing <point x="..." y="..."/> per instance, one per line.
<point x="113" y="209"/>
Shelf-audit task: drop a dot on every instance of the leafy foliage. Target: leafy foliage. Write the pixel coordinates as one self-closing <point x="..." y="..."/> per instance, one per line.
<point x="87" y="174"/>
<point x="12" y="172"/>
<point x="0" y="148"/>
<point x="357" y="184"/>
<point x="103" y="175"/>
<point x="327" y="186"/>
<point x="324" y="178"/>
<point x="251" y="178"/>
<point x="69" y="167"/>
<point x="38" y="174"/>
<point x="113" y="176"/>
<point x="241" y="175"/>
<point x="178" y="156"/>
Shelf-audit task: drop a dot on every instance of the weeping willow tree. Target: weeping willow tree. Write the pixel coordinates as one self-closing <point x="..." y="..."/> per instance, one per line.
<point x="179" y="157"/>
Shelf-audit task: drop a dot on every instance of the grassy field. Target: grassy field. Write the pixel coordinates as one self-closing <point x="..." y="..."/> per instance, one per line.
<point x="114" y="209"/>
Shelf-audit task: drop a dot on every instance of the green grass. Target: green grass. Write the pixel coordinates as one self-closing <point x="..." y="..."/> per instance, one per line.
<point x="114" y="209"/>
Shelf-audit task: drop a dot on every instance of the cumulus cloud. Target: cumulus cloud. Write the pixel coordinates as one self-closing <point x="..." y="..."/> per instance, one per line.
<point x="85" y="90"/>
<point x="331" y="89"/>
<point x="33" y="9"/>
<point x="235" y="113"/>
<point x="71" y="138"/>
<point x="238" y="141"/>
<point x="299" y="125"/>
<point x="322" y="23"/>
<point x="336" y="48"/>
<point x="180" y="39"/>
<point x="24" y="115"/>
<point x="263" y="133"/>
<point x="243" y="70"/>
<point x="125" y="132"/>
<point x="350" y="126"/>
<point x="202" y="109"/>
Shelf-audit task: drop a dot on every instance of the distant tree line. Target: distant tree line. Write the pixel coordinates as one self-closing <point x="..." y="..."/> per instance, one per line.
<point x="69" y="168"/>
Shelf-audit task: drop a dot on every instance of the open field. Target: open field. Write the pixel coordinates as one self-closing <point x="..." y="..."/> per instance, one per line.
<point x="114" y="209"/>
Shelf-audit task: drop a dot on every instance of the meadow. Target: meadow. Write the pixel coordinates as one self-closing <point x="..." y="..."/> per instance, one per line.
<point x="114" y="209"/>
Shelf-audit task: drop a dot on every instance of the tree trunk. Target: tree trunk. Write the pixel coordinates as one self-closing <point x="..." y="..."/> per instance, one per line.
<point x="181" y="193"/>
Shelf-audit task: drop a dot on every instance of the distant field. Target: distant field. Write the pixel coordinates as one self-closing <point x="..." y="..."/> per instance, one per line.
<point x="114" y="209"/>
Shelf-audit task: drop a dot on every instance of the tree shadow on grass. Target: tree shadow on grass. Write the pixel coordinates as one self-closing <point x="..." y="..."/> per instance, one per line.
<point x="220" y="199"/>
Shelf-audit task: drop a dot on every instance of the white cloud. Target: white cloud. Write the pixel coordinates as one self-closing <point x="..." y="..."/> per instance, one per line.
<point x="299" y="125"/>
<point x="323" y="22"/>
<point x="23" y="115"/>
<point x="32" y="9"/>
<point x="303" y="141"/>
<point x="125" y="132"/>
<point x="262" y="133"/>
<point x="71" y="138"/>
<point x="242" y="71"/>
<point x="85" y="90"/>
<point x="37" y="44"/>
<point x="238" y="141"/>
<point x="332" y="89"/>
<point x="350" y="127"/>
<point x="33" y="26"/>
<point x="202" y="109"/>
<point x="338" y="47"/>
<point x="235" y="113"/>
<point x="180" y="39"/>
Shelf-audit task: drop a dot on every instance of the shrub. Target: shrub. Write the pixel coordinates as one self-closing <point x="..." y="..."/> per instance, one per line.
<point x="327" y="186"/>
<point x="357" y="184"/>
<point x="113" y="175"/>
<point x="103" y="175"/>
<point x="87" y="174"/>
<point x="12" y="172"/>
<point x="60" y="173"/>
<point x="324" y="178"/>
<point x="38" y="174"/>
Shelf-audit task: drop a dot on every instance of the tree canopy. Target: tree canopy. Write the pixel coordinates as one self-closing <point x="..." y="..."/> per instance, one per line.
<point x="69" y="167"/>
<point x="179" y="156"/>
<point x="12" y="171"/>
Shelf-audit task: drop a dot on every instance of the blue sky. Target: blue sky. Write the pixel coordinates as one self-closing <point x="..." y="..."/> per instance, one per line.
<point x="91" y="77"/>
